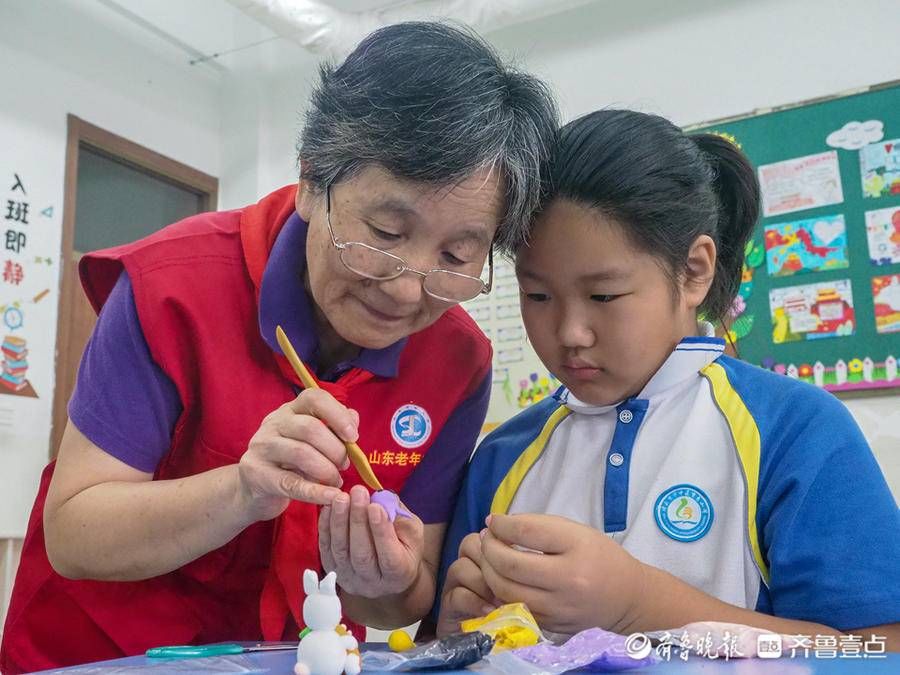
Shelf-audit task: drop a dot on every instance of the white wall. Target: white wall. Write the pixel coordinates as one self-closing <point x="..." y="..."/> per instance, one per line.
<point x="263" y="106"/>
<point x="57" y="60"/>
<point x="698" y="60"/>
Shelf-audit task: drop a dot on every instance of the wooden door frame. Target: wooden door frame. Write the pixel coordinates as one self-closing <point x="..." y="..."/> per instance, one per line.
<point x="83" y="134"/>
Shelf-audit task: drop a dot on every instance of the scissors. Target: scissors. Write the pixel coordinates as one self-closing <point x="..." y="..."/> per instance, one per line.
<point x="221" y="649"/>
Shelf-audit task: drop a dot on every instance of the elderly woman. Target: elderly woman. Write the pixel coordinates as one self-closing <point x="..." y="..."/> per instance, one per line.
<point x="196" y="479"/>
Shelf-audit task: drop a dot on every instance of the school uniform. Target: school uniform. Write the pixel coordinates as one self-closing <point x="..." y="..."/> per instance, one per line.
<point x="752" y="487"/>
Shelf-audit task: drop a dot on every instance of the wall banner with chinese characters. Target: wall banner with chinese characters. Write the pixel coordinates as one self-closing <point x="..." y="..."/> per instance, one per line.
<point x="30" y="236"/>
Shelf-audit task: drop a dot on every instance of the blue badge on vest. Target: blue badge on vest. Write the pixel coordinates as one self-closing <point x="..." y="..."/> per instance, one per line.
<point x="410" y="426"/>
<point x="683" y="512"/>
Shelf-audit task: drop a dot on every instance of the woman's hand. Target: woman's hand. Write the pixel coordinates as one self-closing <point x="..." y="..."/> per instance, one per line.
<point x="297" y="453"/>
<point x="466" y="593"/>
<point x="372" y="556"/>
<point x="573" y="577"/>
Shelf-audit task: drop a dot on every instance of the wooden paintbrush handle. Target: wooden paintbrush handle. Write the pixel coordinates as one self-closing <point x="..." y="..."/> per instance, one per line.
<point x="354" y="452"/>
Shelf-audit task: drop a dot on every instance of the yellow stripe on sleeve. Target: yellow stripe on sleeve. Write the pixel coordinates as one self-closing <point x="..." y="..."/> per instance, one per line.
<point x="516" y="474"/>
<point x="746" y="439"/>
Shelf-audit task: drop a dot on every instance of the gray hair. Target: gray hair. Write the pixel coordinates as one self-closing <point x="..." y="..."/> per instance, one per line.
<point x="433" y="103"/>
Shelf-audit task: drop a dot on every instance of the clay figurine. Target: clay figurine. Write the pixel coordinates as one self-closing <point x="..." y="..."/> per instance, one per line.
<point x="390" y="502"/>
<point x="325" y="649"/>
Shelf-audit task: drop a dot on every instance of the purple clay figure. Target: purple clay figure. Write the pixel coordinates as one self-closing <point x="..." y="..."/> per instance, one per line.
<point x="390" y="502"/>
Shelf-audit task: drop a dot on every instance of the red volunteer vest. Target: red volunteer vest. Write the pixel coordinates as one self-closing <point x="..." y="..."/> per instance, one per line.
<point x="196" y="286"/>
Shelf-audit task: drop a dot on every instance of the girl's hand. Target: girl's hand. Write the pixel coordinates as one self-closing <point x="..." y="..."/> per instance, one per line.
<point x="297" y="453"/>
<point x="466" y="593"/>
<point x="372" y="556"/>
<point x="580" y="578"/>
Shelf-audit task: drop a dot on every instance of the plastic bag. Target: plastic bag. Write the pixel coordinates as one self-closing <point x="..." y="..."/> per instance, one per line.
<point x="512" y="626"/>
<point x="593" y="649"/>
<point x="454" y="651"/>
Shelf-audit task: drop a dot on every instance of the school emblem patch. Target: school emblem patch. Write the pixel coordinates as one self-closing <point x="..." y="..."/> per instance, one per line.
<point x="683" y="512"/>
<point x="410" y="426"/>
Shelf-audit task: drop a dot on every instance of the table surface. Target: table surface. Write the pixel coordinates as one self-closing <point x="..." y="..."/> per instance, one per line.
<point x="282" y="662"/>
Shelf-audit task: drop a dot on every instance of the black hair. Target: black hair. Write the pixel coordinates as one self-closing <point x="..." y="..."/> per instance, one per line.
<point x="665" y="187"/>
<point x="434" y="103"/>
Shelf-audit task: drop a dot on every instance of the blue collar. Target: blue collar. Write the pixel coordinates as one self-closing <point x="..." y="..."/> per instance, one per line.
<point x="690" y="356"/>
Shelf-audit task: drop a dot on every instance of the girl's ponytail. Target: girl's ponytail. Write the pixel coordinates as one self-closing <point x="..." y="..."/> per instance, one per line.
<point x="737" y="189"/>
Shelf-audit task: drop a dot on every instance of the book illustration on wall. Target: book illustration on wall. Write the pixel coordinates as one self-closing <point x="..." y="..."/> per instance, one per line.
<point x="879" y="166"/>
<point x="883" y="234"/>
<point x="801" y="183"/>
<point x="14" y="367"/>
<point x="853" y="374"/>
<point x="886" y="300"/>
<point x="812" y="311"/>
<point x="811" y="245"/>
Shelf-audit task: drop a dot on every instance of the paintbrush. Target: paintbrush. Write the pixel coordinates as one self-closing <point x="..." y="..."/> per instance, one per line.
<point x="354" y="452"/>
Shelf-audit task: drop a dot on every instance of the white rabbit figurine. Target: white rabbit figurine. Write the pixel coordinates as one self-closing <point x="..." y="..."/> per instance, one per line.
<point x="324" y="650"/>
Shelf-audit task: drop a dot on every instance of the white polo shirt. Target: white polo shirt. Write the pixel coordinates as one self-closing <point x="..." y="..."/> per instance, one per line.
<point x="659" y="474"/>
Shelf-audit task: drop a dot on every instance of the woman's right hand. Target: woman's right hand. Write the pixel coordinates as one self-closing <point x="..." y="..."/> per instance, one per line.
<point x="466" y="594"/>
<point x="297" y="453"/>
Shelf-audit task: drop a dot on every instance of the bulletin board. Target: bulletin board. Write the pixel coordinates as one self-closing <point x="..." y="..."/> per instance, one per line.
<point x="820" y="292"/>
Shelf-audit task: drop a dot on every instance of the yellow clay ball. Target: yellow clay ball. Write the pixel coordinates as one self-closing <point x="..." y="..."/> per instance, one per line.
<point x="399" y="641"/>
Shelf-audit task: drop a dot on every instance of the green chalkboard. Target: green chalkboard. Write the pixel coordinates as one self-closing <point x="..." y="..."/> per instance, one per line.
<point x="821" y="280"/>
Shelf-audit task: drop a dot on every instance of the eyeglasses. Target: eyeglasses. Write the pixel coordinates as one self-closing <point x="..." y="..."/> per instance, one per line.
<point x="373" y="263"/>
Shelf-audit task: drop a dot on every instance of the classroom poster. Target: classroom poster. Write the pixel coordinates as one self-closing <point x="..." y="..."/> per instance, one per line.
<point x="883" y="234"/>
<point x="809" y="245"/>
<point x="886" y="299"/>
<point x="519" y="377"/>
<point x="812" y="311"/>
<point x="30" y="232"/>
<point x="879" y="167"/>
<point x="27" y="274"/>
<point x="800" y="183"/>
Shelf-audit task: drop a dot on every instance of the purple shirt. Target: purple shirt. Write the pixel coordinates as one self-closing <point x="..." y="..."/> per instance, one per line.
<point x="119" y="380"/>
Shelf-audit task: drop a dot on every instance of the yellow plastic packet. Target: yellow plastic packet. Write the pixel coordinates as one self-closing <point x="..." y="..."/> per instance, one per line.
<point x="512" y="626"/>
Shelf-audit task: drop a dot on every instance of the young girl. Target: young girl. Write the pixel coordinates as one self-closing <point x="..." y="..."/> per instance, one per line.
<point x="665" y="483"/>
